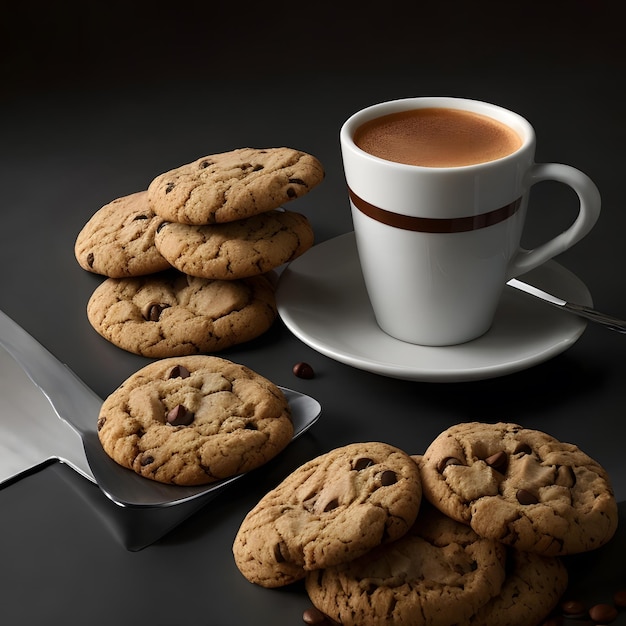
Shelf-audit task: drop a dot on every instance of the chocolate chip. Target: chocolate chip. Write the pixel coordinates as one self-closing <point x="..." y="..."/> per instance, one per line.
<point x="574" y="609"/>
<point x="101" y="422"/>
<point x="619" y="598"/>
<point x="140" y="217"/>
<point x="523" y="448"/>
<point x="498" y="461"/>
<point x="565" y="476"/>
<point x="204" y="164"/>
<point x="278" y="554"/>
<point x="297" y="181"/>
<point x="169" y="187"/>
<point x="258" y="167"/>
<point x="314" y="617"/>
<point x="291" y="192"/>
<point x="146" y="460"/>
<point x="90" y="259"/>
<point x="179" y="371"/>
<point x="526" y="497"/>
<point x="388" y="477"/>
<point x="152" y="311"/>
<point x="449" y="460"/>
<point x="333" y="504"/>
<point x="179" y="416"/>
<point x="362" y="463"/>
<point x="603" y="613"/>
<point x="303" y="370"/>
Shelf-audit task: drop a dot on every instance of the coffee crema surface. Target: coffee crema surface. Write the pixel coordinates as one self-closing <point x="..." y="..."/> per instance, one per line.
<point x="437" y="137"/>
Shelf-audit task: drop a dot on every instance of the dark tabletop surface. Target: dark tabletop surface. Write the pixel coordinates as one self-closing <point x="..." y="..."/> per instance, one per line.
<point x="94" y="103"/>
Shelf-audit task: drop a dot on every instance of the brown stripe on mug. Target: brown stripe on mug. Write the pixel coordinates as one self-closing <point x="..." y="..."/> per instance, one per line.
<point x="433" y="224"/>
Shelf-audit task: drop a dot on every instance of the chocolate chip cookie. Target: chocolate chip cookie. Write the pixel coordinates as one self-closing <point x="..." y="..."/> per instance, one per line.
<point x="533" y="587"/>
<point x="439" y="574"/>
<point x="239" y="249"/>
<point x="233" y="185"/>
<point x="173" y="314"/>
<point x="521" y="487"/>
<point x="194" y="420"/>
<point x="118" y="239"/>
<point x="330" y="510"/>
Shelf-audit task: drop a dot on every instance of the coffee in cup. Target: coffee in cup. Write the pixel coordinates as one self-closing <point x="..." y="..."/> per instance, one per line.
<point x="439" y="191"/>
<point x="437" y="137"/>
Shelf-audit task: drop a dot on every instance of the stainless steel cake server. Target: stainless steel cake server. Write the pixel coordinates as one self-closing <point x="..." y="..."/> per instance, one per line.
<point x="68" y="432"/>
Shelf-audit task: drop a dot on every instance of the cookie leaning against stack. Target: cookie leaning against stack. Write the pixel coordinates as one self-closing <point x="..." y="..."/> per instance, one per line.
<point x="194" y="420"/>
<point x="332" y="509"/>
<point x="218" y="219"/>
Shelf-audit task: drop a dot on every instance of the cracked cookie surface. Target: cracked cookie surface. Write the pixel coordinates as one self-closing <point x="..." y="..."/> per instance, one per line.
<point x="172" y="314"/>
<point x="194" y="420"/>
<point x="332" y="509"/>
<point x="239" y="249"/>
<point x="533" y="587"/>
<point x="520" y="486"/>
<point x="118" y="239"/>
<point x="440" y="573"/>
<point x="233" y="185"/>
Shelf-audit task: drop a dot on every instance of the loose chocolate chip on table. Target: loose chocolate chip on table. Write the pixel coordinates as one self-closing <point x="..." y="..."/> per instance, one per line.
<point x="179" y="371"/>
<point x="314" y="617"/>
<point x="179" y="416"/>
<point x="574" y="609"/>
<point x="303" y="370"/>
<point x="603" y="613"/>
<point x="620" y="598"/>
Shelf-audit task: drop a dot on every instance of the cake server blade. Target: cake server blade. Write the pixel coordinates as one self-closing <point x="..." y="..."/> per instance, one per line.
<point x="77" y="406"/>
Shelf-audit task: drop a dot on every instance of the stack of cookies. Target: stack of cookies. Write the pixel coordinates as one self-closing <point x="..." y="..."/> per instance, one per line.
<point x="470" y="533"/>
<point x="189" y="260"/>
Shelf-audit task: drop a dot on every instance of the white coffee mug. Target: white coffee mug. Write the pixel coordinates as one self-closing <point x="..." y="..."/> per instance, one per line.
<point x="437" y="244"/>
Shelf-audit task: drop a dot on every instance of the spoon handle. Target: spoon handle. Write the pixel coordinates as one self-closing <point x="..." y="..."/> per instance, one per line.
<point x="608" y="321"/>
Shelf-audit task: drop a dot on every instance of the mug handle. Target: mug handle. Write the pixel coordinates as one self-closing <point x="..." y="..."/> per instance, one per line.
<point x="589" y="211"/>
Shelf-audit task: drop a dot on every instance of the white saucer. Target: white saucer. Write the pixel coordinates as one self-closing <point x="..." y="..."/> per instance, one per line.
<point x="322" y="300"/>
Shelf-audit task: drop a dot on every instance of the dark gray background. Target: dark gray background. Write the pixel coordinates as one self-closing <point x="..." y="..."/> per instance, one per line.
<point x="96" y="100"/>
